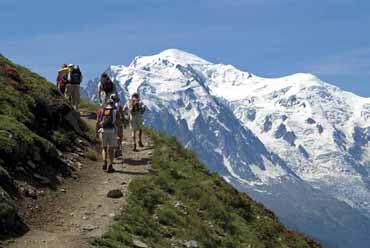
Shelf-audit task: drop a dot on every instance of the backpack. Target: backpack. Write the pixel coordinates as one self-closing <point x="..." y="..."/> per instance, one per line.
<point x="76" y="76"/>
<point x="107" y="86"/>
<point x="137" y="107"/>
<point x="108" y="119"/>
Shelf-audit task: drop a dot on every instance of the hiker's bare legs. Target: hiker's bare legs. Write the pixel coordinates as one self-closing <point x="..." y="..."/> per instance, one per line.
<point x="111" y="155"/>
<point x="105" y="157"/>
<point x="134" y="139"/>
<point x="141" y="138"/>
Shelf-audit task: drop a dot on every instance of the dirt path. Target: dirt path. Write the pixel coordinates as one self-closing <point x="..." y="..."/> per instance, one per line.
<point x="80" y="210"/>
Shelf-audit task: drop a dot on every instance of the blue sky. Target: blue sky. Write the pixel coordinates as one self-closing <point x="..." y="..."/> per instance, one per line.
<point x="329" y="38"/>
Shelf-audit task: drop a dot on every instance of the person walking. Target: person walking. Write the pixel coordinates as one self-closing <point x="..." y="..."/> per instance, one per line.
<point x="119" y="124"/>
<point x="136" y="109"/>
<point x="62" y="78"/>
<point x="73" y="86"/>
<point x="106" y="89"/>
<point x="106" y="131"/>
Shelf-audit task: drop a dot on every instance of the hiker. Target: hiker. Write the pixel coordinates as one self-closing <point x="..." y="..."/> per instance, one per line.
<point x="62" y="78"/>
<point x="107" y="117"/>
<point x="125" y="117"/>
<point x="119" y="123"/>
<point x="136" y="109"/>
<point x="106" y="89"/>
<point x="73" y="86"/>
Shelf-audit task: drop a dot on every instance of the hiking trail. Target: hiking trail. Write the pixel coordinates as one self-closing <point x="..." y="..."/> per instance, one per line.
<point x="79" y="210"/>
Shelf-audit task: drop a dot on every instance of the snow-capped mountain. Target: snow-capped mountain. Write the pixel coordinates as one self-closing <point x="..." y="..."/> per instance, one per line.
<point x="295" y="143"/>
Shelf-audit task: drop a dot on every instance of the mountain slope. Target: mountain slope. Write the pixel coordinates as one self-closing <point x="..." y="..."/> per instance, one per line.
<point x="35" y="126"/>
<point x="262" y="134"/>
<point x="181" y="204"/>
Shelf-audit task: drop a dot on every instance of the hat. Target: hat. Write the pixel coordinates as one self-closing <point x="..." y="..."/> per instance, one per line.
<point x="70" y="65"/>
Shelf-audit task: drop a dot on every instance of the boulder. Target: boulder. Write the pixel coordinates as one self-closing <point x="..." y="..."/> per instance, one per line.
<point x="139" y="244"/>
<point x="191" y="244"/>
<point x="10" y="222"/>
<point x="116" y="193"/>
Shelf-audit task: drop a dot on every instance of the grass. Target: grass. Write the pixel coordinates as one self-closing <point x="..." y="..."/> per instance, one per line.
<point x="87" y="106"/>
<point x="91" y="154"/>
<point x="33" y="126"/>
<point x="180" y="200"/>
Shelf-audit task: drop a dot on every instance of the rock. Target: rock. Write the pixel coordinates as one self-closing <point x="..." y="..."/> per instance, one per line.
<point x="59" y="179"/>
<point x="31" y="164"/>
<point x="36" y="155"/>
<point x="10" y="221"/>
<point x="20" y="169"/>
<point x="60" y="153"/>
<point x="42" y="179"/>
<point x="31" y="193"/>
<point x="89" y="227"/>
<point x="72" y="119"/>
<point x="81" y="154"/>
<point x="116" y="193"/>
<point x="139" y="244"/>
<point x="28" y="192"/>
<point x="191" y="244"/>
<point x="79" y="165"/>
<point x="74" y="155"/>
<point x="63" y="190"/>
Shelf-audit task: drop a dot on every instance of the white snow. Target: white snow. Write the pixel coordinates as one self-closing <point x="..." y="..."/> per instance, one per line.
<point x="318" y="120"/>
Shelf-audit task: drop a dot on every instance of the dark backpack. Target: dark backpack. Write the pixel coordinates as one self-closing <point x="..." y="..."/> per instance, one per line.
<point x="107" y="86"/>
<point x="137" y="107"/>
<point x="108" y="119"/>
<point x="76" y="76"/>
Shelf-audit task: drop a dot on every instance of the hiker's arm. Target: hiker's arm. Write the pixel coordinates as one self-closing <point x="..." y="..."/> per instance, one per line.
<point x="97" y="126"/>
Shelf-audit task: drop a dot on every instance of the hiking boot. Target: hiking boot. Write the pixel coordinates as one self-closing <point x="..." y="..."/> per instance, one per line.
<point x="104" y="167"/>
<point x="134" y="149"/>
<point x="118" y="153"/>
<point x="141" y="144"/>
<point x="110" y="169"/>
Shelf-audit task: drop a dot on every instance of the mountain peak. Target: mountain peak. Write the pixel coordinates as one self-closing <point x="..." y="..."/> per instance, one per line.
<point x="175" y="56"/>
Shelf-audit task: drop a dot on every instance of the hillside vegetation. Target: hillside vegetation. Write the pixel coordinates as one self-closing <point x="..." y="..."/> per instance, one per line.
<point x="181" y="204"/>
<point x="36" y="125"/>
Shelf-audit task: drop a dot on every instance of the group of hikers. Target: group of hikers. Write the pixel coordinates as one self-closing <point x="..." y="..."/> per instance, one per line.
<point x="112" y="115"/>
<point x="69" y="79"/>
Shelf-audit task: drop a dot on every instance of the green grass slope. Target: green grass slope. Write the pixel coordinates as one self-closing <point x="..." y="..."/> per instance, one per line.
<point x="181" y="201"/>
<point x="35" y="126"/>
